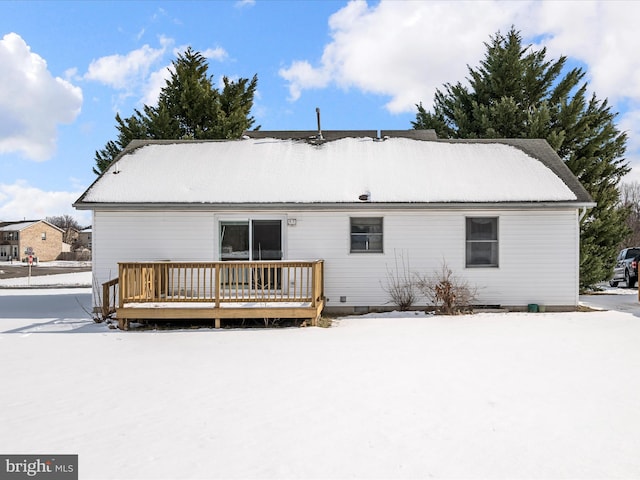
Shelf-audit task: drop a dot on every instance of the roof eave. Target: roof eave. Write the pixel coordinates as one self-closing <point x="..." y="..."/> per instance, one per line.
<point x="334" y="206"/>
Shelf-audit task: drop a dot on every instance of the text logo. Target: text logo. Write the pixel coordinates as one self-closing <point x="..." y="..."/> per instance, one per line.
<point x="49" y="467"/>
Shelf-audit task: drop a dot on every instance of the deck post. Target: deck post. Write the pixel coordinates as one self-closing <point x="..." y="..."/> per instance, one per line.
<point x="105" y="300"/>
<point x="217" y="298"/>
<point x="217" y="319"/>
<point x="123" y="290"/>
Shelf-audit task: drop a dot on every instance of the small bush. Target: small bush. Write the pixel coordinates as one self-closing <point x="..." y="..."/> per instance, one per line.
<point x="324" y="322"/>
<point x="97" y="313"/>
<point x="449" y="294"/>
<point x="400" y="284"/>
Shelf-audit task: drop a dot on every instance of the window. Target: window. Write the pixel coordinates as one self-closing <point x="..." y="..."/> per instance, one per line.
<point x="482" y="242"/>
<point x="631" y="252"/>
<point x="366" y="235"/>
<point x="251" y="240"/>
<point x="44" y="235"/>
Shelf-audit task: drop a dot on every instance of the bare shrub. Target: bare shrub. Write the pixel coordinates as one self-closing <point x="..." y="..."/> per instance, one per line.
<point x="449" y="294"/>
<point x="400" y="284"/>
<point x="324" y="322"/>
<point x="98" y="312"/>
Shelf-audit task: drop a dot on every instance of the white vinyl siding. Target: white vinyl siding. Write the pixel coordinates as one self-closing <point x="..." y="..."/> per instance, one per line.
<point x="538" y="255"/>
<point x="150" y="236"/>
<point x="539" y="249"/>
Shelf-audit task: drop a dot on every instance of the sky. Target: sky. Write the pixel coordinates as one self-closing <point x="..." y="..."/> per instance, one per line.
<point x="67" y="68"/>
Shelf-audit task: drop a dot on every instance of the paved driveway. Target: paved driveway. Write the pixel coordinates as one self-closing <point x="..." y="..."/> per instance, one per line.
<point x="620" y="299"/>
<point x="17" y="270"/>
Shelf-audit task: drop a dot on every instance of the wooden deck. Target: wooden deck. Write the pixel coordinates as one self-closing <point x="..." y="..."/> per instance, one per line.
<point x="215" y="290"/>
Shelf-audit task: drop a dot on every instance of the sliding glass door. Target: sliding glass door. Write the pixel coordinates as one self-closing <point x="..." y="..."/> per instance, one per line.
<point x="250" y="240"/>
<point x="266" y="239"/>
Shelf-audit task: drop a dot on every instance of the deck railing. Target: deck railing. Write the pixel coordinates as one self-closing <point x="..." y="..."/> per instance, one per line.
<point x="221" y="282"/>
<point x="109" y="297"/>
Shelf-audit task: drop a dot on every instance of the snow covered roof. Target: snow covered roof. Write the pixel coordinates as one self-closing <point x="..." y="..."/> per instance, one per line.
<point x="21" y="225"/>
<point x="268" y="170"/>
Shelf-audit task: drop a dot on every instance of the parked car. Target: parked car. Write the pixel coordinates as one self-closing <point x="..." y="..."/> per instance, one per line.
<point x="626" y="267"/>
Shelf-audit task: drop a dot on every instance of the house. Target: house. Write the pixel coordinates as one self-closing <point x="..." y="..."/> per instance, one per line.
<point x="71" y="235"/>
<point x="38" y="238"/>
<point x="503" y="214"/>
<point x="83" y="240"/>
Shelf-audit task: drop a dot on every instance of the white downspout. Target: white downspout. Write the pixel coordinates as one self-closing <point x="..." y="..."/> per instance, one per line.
<point x="582" y="213"/>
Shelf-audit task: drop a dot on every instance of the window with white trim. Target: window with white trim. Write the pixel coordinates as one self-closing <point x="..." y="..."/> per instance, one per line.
<point x="366" y="234"/>
<point x="482" y="241"/>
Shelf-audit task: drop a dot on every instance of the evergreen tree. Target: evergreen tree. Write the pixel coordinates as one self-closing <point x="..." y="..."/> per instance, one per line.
<point x="517" y="93"/>
<point x="189" y="107"/>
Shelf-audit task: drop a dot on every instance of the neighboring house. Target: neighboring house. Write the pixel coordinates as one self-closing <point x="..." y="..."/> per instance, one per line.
<point x="503" y="214"/>
<point x="42" y="238"/>
<point x="83" y="241"/>
<point x="70" y="235"/>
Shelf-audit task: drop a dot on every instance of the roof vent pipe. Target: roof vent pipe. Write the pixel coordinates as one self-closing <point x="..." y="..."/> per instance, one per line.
<point x="319" y="129"/>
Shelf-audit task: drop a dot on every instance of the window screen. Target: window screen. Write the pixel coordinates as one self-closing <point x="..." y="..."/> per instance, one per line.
<point x="366" y="235"/>
<point x="482" y="242"/>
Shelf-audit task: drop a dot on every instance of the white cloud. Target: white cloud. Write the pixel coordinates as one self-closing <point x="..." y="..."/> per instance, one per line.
<point x="21" y="200"/>
<point x="602" y="34"/>
<point x="32" y="101"/>
<point x="629" y="123"/>
<point x="217" y="53"/>
<point x="71" y="74"/>
<point x="137" y="74"/>
<point x="245" y="3"/>
<point x="404" y="50"/>
<point x="124" y="72"/>
<point x="301" y="75"/>
<point x="154" y="84"/>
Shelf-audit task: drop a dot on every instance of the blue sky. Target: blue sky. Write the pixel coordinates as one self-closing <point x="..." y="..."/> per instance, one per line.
<point x="66" y="68"/>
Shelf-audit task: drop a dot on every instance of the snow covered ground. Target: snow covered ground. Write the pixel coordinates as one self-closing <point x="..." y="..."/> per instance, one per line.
<point x="43" y="278"/>
<point x="402" y="395"/>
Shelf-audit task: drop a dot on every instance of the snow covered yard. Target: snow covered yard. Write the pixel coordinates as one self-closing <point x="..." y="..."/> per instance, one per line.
<point x="514" y="395"/>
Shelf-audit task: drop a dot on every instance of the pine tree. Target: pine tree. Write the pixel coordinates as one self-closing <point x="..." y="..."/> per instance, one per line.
<point x="517" y="93"/>
<point x="189" y="107"/>
<point x="129" y="129"/>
